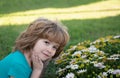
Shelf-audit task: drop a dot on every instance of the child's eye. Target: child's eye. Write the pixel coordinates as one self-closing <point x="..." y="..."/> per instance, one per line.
<point x="46" y="42"/>
<point x="55" y="47"/>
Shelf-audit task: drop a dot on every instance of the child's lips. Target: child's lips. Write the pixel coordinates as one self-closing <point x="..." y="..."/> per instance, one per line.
<point x="46" y="54"/>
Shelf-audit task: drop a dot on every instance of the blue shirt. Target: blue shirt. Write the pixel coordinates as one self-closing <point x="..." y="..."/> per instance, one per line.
<point x="16" y="65"/>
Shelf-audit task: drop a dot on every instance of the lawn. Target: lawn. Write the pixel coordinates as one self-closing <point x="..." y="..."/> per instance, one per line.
<point x="85" y="19"/>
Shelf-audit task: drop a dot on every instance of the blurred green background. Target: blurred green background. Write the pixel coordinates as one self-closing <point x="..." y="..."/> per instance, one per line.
<point x="85" y="19"/>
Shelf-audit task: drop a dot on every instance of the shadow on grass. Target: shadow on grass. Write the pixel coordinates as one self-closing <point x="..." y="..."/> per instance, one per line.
<point x="24" y="5"/>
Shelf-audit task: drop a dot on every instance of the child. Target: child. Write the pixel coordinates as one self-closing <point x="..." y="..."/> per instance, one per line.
<point x="42" y="41"/>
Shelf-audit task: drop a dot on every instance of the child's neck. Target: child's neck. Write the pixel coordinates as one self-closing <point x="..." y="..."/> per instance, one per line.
<point x="28" y="57"/>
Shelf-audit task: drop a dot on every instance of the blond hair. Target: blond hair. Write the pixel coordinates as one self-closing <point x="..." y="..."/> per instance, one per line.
<point x="46" y="29"/>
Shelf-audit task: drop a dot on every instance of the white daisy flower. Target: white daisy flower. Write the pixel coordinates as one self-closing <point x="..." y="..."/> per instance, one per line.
<point x="117" y="71"/>
<point x="76" y="53"/>
<point x="74" y="66"/>
<point x="70" y="75"/>
<point x="81" y="71"/>
<point x="105" y="74"/>
<point x="99" y="65"/>
<point x="116" y="36"/>
<point x="93" y="49"/>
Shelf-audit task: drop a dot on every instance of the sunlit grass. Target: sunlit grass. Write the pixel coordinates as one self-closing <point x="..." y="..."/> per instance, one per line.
<point x="90" y="11"/>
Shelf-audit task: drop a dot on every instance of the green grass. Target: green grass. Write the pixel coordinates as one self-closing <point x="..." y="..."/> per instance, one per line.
<point x="8" y="34"/>
<point x="92" y="29"/>
<point x="83" y="22"/>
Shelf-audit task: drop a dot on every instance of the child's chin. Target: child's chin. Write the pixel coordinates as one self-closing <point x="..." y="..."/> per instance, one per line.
<point x="45" y="59"/>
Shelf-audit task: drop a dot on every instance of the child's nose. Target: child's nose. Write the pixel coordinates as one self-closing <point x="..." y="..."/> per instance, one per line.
<point x="50" y="49"/>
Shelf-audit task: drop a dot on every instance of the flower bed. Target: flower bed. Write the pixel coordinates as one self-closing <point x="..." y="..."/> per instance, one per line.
<point x="98" y="59"/>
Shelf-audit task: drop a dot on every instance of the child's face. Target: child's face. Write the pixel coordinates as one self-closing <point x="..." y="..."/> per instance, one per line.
<point x="45" y="49"/>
